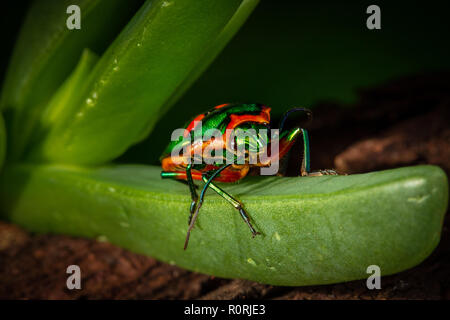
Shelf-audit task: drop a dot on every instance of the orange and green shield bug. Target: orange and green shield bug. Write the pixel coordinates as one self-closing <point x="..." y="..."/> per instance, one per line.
<point x="233" y="155"/>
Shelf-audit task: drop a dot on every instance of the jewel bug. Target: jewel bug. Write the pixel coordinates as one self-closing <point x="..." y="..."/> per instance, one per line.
<point x="226" y="117"/>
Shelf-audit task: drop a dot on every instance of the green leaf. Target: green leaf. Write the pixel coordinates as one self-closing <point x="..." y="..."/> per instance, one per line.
<point x="47" y="51"/>
<point x="315" y="230"/>
<point x="62" y="99"/>
<point x="156" y="57"/>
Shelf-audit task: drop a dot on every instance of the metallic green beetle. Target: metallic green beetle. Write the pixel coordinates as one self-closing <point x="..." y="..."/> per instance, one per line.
<point x="228" y="118"/>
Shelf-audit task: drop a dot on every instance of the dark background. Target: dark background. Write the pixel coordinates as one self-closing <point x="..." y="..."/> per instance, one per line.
<point x="292" y="53"/>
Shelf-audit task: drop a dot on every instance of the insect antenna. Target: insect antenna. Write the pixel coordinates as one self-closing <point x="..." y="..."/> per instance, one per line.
<point x="287" y="113"/>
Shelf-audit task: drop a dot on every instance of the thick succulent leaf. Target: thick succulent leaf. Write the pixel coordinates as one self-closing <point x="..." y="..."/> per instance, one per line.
<point x="47" y="51"/>
<point x="157" y="55"/>
<point x="315" y="230"/>
<point x="61" y="101"/>
<point x="214" y="49"/>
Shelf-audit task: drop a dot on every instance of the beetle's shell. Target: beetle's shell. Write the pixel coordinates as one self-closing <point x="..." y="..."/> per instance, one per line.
<point x="221" y="117"/>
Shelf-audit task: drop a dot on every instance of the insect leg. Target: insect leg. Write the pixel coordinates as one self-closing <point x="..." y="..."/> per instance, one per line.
<point x="189" y="181"/>
<point x="194" y="195"/>
<point x="200" y="201"/>
<point x="177" y="176"/>
<point x="305" y="168"/>
<point x="326" y="172"/>
<point x="235" y="203"/>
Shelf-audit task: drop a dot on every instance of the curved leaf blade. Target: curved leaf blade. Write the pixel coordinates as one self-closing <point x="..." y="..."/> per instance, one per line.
<point x="159" y="53"/>
<point x="47" y="51"/>
<point x="60" y="102"/>
<point x="316" y="230"/>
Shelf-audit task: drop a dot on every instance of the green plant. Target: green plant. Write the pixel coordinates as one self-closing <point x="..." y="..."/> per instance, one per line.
<point x="67" y="120"/>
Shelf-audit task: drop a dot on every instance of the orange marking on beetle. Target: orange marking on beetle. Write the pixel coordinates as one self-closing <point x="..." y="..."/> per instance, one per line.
<point x="191" y="125"/>
<point x="221" y="106"/>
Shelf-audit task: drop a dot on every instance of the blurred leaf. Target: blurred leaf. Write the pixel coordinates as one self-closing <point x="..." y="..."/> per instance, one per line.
<point x="316" y="230"/>
<point x="161" y="51"/>
<point x="2" y="141"/>
<point x="61" y="100"/>
<point x="47" y="51"/>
